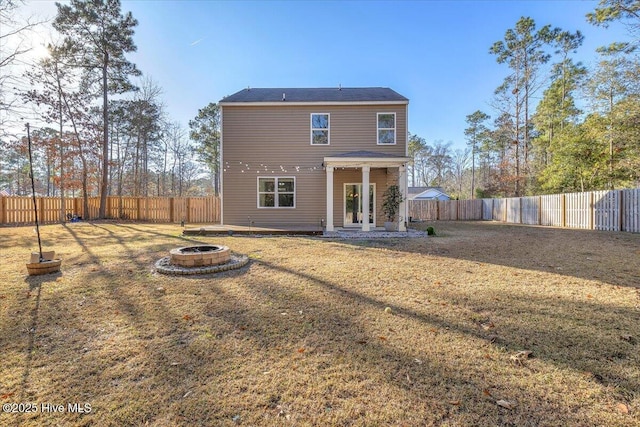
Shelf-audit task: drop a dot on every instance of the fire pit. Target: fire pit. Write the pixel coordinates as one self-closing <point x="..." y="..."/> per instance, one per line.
<point x="198" y="256"/>
<point x="202" y="259"/>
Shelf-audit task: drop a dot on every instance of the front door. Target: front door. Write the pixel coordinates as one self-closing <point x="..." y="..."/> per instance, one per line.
<point x="353" y="205"/>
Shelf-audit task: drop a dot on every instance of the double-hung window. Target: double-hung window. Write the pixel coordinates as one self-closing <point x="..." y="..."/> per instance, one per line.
<point x="386" y="128"/>
<point x="319" y="129"/>
<point x="277" y="192"/>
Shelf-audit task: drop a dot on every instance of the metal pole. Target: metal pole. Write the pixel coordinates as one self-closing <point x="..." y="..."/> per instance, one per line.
<point x="33" y="192"/>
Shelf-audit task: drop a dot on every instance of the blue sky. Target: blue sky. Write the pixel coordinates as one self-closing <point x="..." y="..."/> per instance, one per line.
<point x="433" y="52"/>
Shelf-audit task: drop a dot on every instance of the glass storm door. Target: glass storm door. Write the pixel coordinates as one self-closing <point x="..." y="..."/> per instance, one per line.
<point x="353" y="205"/>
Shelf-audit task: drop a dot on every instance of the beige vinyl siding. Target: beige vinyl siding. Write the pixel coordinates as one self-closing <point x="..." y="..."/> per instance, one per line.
<point x="275" y="141"/>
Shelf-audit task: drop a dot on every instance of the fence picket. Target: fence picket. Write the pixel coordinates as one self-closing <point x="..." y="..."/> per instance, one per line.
<point x="606" y="210"/>
<point x="19" y="209"/>
<point x="615" y="210"/>
<point x="551" y="207"/>
<point x="530" y="210"/>
<point x="631" y="210"/>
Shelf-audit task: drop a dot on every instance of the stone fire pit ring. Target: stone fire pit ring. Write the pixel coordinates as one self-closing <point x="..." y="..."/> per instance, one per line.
<point x="202" y="259"/>
<point x="200" y="256"/>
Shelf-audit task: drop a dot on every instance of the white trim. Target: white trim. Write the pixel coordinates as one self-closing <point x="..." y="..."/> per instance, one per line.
<point x="378" y="129"/>
<point x="366" y="174"/>
<point x="328" y="129"/>
<point x="404" y="206"/>
<point x="300" y="103"/>
<point x="275" y="193"/>
<point x="406" y="137"/>
<point x="329" y="195"/>
<point x="221" y="168"/>
<point x="344" y="205"/>
<point x="357" y="162"/>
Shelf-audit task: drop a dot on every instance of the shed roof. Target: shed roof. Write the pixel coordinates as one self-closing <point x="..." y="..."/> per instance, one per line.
<point x="337" y="94"/>
<point x="431" y="193"/>
<point x="418" y="190"/>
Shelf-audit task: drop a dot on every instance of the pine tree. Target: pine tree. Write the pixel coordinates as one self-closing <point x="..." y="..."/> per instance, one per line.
<point x="205" y="132"/>
<point x="96" y="37"/>
<point x="523" y="50"/>
<point x="475" y="133"/>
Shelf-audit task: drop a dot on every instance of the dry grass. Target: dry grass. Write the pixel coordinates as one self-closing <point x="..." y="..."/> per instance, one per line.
<point x="301" y="336"/>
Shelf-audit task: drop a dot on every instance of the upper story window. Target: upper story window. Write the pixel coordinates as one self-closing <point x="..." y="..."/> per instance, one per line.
<point x="277" y="192"/>
<point x="319" y="129"/>
<point x="386" y="128"/>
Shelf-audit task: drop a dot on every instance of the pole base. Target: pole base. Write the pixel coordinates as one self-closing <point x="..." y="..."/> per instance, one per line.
<point x="44" y="267"/>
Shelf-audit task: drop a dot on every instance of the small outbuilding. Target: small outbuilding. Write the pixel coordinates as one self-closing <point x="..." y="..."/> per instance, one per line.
<point x="427" y="193"/>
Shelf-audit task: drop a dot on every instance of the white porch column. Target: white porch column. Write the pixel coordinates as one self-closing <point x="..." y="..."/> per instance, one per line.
<point x="329" y="198"/>
<point x="402" y="183"/>
<point x="365" y="198"/>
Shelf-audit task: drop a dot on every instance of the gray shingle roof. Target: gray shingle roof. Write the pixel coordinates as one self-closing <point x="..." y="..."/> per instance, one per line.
<point x="418" y="190"/>
<point x="345" y="94"/>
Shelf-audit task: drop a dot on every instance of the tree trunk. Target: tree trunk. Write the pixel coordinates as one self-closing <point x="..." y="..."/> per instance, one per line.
<point x="105" y="143"/>
<point x="63" y="216"/>
<point x="610" y="140"/>
<point x="473" y="168"/>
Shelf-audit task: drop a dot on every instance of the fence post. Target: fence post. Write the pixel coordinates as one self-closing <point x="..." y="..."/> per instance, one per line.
<point x="539" y="210"/>
<point x="592" y="211"/>
<point x="620" y="210"/>
<point x="493" y="209"/>
<point x="138" y="209"/>
<point x="41" y="209"/>
<point x="3" y="210"/>
<point x="520" y="210"/>
<point x="563" y="210"/>
<point x="171" y="216"/>
<point x="189" y="209"/>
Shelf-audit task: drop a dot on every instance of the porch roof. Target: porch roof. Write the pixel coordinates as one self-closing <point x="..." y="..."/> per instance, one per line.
<point x="365" y="158"/>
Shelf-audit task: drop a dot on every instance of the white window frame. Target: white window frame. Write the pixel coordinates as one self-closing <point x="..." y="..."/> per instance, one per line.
<point x="328" y="128"/>
<point x="275" y="192"/>
<point x="378" y="129"/>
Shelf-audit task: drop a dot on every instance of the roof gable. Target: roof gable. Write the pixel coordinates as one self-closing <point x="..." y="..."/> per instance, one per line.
<point x="418" y="190"/>
<point x="432" y="193"/>
<point x="314" y="95"/>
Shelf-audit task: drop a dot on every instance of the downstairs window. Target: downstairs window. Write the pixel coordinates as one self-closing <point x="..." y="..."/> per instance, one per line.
<point x="277" y="192"/>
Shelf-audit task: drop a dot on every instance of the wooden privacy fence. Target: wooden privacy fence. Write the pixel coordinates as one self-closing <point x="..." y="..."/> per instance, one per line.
<point x="614" y="210"/>
<point x="16" y="210"/>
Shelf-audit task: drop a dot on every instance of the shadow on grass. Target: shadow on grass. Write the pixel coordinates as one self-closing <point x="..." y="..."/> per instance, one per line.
<point x="582" y="254"/>
<point x="345" y="339"/>
<point x="159" y="234"/>
<point x="177" y="362"/>
<point x="575" y="335"/>
<point x="35" y="286"/>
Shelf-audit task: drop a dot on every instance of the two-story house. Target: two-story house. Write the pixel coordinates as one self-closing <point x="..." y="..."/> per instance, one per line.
<point x="306" y="157"/>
